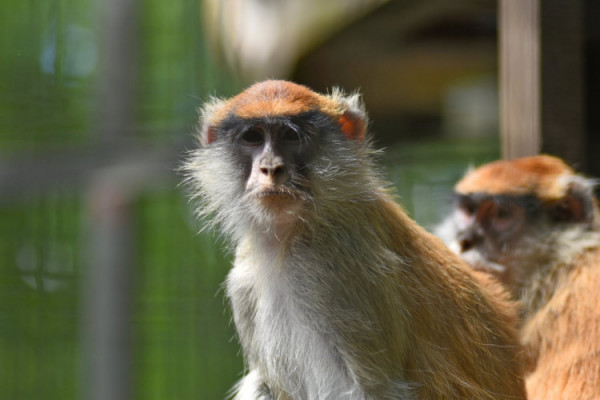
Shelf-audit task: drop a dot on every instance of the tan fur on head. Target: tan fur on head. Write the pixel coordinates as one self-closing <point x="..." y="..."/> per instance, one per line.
<point x="272" y="98"/>
<point x="537" y="175"/>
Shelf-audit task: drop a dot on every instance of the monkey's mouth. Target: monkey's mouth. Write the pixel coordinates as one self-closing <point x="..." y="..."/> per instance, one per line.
<point x="276" y="193"/>
<point x="278" y="197"/>
<point x="480" y="262"/>
<point x="272" y="192"/>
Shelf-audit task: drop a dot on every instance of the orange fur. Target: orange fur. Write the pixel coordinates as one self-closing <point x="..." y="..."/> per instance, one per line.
<point x="352" y="126"/>
<point x="476" y="366"/>
<point x="537" y="175"/>
<point x="558" y="285"/>
<point x="272" y="98"/>
<point x="564" y="336"/>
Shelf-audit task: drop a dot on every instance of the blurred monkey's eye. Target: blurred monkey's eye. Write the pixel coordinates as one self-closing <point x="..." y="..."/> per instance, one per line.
<point x="507" y="216"/>
<point x="253" y="137"/>
<point x="504" y="213"/>
<point x="467" y="206"/>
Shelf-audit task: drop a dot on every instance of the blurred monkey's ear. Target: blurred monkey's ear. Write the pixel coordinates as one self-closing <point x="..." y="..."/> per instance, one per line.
<point x="578" y="204"/>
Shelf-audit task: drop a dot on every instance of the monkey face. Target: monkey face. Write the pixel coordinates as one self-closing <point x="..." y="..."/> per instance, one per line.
<point x="277" y="152"/>
<point x="274" y="157"/>
<point x="497" y="219"/>
<point x="490" y="231"/>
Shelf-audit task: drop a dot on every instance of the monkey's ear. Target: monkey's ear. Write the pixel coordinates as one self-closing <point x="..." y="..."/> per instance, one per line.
<point x="352" y="125"/>
<point x="207" y="130"/>
<point x="354" y="120"/>
<point x="578" y="204"/>
<point x="208" y="134"/>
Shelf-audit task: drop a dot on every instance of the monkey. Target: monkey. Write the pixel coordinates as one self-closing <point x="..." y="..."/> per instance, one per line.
<point x="533" y="224"/>
<point x="335" y="292"/>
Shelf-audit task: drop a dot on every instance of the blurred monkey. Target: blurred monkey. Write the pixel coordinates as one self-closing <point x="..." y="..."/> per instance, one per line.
<point x="336" y="293"/>
<point x="534" y="224"/>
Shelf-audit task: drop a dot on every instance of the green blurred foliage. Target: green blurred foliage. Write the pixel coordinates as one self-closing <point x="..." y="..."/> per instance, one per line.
<point x="45" y="98"/>
<point x="184" y="345"/>
<point x="39" y="343"/>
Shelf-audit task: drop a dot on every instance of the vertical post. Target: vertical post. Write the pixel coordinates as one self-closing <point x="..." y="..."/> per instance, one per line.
<point x="519" y="32"/>
<point x="107" y="292"/>
<point x="107" y="289"/>
<point x="541" y="79"/>
<point x="117" y="78"/>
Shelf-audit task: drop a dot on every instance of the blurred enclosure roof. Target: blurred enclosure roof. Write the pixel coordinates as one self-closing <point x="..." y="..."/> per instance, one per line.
<point x="405" y="56"/>
<point x="264" y="38"/>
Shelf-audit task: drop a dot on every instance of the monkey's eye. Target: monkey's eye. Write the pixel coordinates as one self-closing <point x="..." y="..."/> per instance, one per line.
<point x="504" y="213"/>
<point x="252" y="137"/>
<point x="506" y="217"/>
<point x="467" y="206"/>
<point x="290" y="136"/>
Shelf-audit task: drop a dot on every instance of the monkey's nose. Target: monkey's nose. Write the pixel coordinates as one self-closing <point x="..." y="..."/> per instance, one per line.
<point x="272" y="171"/>
<point x="465" y="245"/>
<point x="277" y="173"/>
<point x="468" y="239"/>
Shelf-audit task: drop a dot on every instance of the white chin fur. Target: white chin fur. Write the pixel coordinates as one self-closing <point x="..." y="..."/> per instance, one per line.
<point x="475" y="259"/>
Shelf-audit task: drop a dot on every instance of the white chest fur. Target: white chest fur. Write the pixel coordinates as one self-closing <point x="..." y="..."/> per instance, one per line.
<point x="281" y="342"/>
